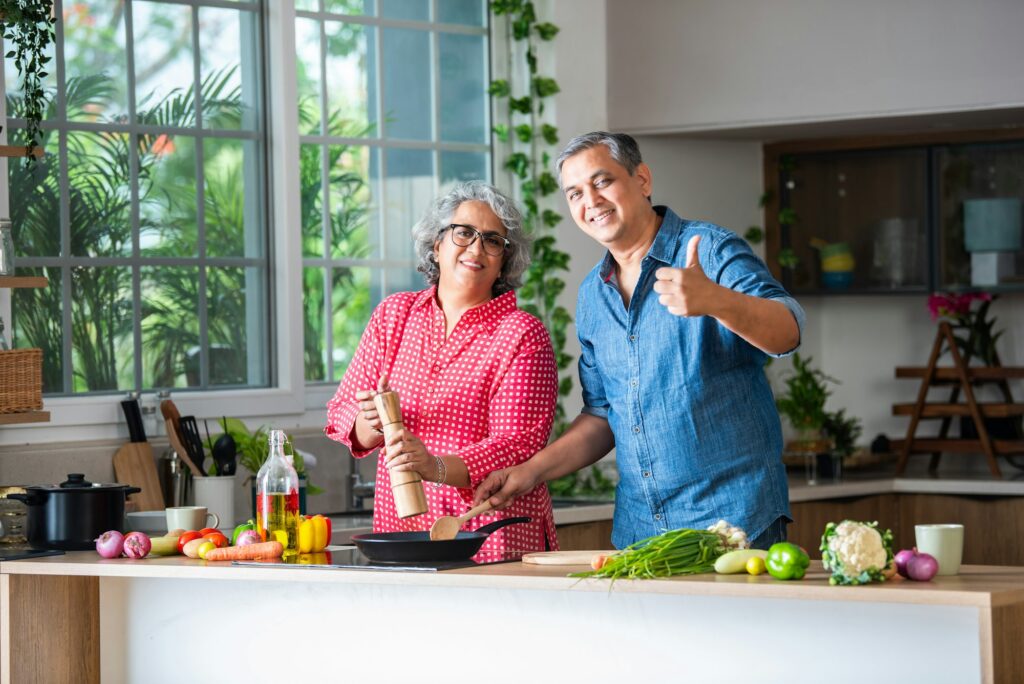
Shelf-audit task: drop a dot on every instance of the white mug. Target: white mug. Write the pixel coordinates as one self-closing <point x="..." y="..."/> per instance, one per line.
<point x="189" y="518"/>
<point x="216" y="493"/>
<point x="944" y="542"/>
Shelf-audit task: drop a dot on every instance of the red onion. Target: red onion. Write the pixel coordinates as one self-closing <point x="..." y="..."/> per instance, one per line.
<point x="247" y="537"/>
<point x="922" y="567"/>
<point x="137" y="545"/>
<point x="109" y="544"/>
<point x="902" y="558"/>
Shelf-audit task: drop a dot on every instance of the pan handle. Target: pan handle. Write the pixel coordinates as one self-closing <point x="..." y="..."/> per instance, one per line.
<point x="498" y="524"/>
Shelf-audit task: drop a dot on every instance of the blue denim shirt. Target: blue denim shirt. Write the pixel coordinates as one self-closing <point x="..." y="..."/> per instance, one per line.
<point x="697" y="434"/>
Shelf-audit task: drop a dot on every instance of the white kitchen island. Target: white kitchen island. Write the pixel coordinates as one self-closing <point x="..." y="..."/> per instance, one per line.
<point x="81" y="618"/>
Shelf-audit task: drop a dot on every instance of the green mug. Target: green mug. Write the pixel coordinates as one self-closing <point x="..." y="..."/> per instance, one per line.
<point x="944" y="542"/>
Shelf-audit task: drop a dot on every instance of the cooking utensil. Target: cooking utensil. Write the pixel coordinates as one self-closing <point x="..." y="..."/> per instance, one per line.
<point x="71" y="515"/>
<point x="192" y="441"/>
<point x="170" y="412"/>
<point x="225" y="450"/>
<point x="447" y="526"/>
<point x="413" y="547"/>
<point x="179" y="448"/>
<point x="564" y="557"/>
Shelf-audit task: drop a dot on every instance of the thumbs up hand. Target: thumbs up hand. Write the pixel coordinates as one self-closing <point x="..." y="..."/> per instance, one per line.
<point x="686" y="291"/>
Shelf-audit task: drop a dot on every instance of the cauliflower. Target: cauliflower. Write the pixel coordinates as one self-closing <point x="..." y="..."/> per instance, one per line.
<point x="856" y="552"/>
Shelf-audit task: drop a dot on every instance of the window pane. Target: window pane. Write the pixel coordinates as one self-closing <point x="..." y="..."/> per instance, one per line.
<point x="36" y="224"/>
<point x="101" y="336"/>
<point x="351" y="7"/>
<point x="457" y="167"/>
<point x="232" y="198"/>
<point x="463" y="91"/>
<point x="311" y="178"/>
<point x="167" y="195"/>
<point x="36" y="316"/>
<point x="350" y="312"/>
<point x="408" y="187"/>
<point x="307" y="49"/>
<point x="163" y="59"/>
<point x="170" y="324"/>
<point x="406" y="87"/>
<point x="351" y="89"/>
<point x="470" y="12"/>
<point x="236" y="326"/>
<point x="229" y="68"/>
<point x="100" y="197"/>
<point x="414" y="10"/>
<point x="314" y="330"/>
<point x="95" y="58"/>
<point x="353" y="209"/>
<point x="404" y="280"/>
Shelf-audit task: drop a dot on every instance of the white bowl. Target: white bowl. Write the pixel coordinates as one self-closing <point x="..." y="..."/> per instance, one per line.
<point x="150" y="522"/>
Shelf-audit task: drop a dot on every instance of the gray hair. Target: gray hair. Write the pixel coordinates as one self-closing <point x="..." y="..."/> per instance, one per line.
<point x="621" y="146"/>
<point x="438" y="216"/>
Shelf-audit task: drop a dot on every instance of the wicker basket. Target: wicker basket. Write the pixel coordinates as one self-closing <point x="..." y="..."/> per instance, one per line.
<point x="21" y="380"/>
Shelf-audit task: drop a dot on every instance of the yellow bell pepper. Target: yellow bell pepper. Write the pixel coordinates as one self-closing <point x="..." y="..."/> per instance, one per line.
<point x="314" y="534"/>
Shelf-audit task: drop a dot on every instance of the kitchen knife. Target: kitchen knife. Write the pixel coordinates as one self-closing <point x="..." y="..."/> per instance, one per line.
<point x="133" y="416"/>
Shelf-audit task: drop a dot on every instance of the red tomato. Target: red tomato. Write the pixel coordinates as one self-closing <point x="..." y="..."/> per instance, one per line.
<point x="217" y="538"/>
<point x="186" y="538"/>
<point x="207" y="530"/>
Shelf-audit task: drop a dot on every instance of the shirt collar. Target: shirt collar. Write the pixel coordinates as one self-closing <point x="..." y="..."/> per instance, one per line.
<point x="664" y="247"/>
<point x="498" y="306"/>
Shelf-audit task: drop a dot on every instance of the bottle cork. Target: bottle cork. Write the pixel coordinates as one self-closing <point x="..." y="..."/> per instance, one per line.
<point x="406" y="486"/>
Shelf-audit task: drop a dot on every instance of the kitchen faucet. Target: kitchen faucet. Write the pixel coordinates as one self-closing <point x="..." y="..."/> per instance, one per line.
<point x="358" y="488"/>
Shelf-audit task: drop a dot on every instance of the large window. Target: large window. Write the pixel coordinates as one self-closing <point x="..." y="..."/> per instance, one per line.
<point x="392" y="110"/>
<point x="148" y="213"/>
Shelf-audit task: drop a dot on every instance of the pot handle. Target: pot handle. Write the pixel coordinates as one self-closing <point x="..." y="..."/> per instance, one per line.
<point x="498" y="524"/>
<point x="29" y="499"/>
<point x="132" y="490"/>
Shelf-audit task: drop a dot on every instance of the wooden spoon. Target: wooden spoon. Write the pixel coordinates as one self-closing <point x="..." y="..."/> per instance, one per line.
<point x="447" y="526"/>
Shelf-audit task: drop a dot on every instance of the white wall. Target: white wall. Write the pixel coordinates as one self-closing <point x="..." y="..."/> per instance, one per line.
<point x="678" y="65"/>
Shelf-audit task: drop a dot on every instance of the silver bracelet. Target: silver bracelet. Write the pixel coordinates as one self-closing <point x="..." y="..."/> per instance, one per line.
<point x="442" y="473"/>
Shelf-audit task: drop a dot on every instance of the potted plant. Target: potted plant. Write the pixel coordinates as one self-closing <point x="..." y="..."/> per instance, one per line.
<point x="28" y="29"/>
<point x="253" y="451"/>
<point x="822" y="436"/>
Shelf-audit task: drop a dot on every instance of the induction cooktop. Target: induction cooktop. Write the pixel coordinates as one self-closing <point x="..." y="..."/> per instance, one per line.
<point x="349" y="558"/>
<point x="19" y="552"/>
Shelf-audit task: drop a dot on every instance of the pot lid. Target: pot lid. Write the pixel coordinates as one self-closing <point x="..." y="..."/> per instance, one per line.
<point x="76" y="482"/>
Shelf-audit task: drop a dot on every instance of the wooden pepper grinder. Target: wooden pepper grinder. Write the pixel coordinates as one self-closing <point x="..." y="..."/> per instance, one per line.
<point x="406" y="487"/>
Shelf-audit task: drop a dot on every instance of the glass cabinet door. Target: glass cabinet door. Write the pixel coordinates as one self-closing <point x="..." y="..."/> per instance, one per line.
<point x="855" y="222"/>
<point x="980" y="192"/>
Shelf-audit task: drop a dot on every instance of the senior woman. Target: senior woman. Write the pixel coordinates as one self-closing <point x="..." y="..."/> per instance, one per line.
<point x="476" y="376"/>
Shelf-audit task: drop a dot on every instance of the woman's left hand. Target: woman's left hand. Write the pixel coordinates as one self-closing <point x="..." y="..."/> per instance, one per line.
<point x="405" y="452"/>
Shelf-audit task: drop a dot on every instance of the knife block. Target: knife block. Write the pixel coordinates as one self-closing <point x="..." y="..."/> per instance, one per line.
<point x="406" y="487"/>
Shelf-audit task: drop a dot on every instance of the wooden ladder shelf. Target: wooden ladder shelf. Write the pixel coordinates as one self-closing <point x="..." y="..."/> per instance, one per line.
<point x="961" y="378"/>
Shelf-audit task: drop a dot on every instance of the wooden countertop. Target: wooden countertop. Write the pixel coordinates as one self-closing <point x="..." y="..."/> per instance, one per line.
<point x="799" y="491"/>
<point x="976" y="585"/>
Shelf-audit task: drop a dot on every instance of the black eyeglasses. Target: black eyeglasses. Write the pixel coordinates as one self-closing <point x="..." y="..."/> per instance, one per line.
<point x="464" y="236"/>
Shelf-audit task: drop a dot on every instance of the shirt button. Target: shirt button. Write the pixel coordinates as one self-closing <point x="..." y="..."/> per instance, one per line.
<point x="634" y="382"/>
<point x="632" y="338"/>
<point x="657" y="516"/>
<point x="636" y="428"/>
<point x="647" y="473"/>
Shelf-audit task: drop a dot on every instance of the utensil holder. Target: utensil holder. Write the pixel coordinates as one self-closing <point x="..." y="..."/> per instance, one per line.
<point x="217" y="494"/>
<point x="406" y="487"/>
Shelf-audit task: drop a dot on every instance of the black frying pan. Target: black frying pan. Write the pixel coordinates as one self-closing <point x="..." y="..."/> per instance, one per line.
<point x="416" y="547"/>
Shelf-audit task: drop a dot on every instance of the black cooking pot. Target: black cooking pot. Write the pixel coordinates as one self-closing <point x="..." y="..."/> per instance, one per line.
<point x="417" y="547"/>
<point x="71" y="515"/>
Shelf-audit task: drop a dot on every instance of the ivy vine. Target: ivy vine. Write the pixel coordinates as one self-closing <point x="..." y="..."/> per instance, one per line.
<point x="28" y="28"/>
<point x="528" y="139"/>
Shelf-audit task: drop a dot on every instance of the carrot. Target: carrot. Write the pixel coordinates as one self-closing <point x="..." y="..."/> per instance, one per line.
<point x="271" y="549"/>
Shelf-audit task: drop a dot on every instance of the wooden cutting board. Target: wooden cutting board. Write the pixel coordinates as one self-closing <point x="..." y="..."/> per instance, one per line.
<point x="134" y="465"/>
<point x="564" y="557"/>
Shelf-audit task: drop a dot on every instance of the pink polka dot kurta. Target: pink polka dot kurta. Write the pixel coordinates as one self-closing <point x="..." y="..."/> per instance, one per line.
<point x="486" y="394"/>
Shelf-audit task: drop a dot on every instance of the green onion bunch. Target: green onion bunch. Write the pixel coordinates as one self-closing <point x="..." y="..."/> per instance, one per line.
<point x="676" y="552"/>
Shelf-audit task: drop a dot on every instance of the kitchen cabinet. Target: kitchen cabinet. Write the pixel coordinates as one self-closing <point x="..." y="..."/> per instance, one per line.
<point x="897" y="214"/>
<point x="585" y="536"/>
<point x="992" y="523"/>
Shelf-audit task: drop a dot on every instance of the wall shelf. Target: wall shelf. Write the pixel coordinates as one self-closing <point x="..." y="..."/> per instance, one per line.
<point x="25" y="417"/>
<point x="19" y="151"/>
<point x="23" y="281"/>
